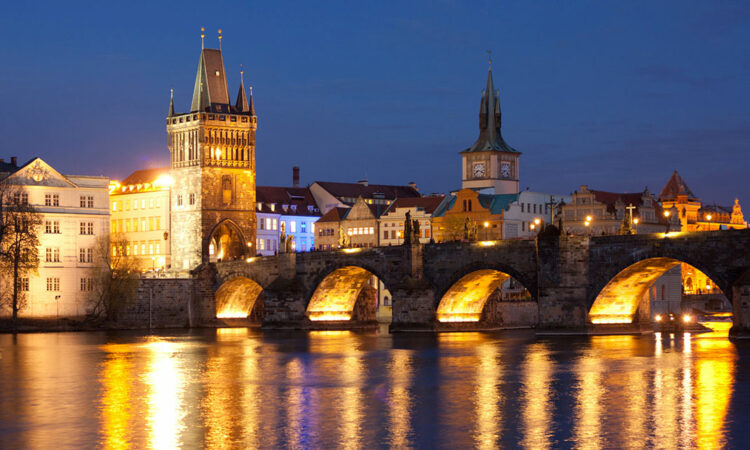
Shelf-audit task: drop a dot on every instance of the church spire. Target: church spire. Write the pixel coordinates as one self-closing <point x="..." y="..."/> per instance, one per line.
<point x="490" y="138"/>
<point x="252" y="104"/>
<point x="210" y="92"/>
<point x="241" y="105"/>
<point x="171" y="103"/>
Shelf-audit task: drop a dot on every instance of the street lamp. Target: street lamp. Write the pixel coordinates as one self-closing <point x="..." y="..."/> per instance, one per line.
<point x="587" y="224"/>
<point x="635" y="222"/>
<point x="486" y="225"/>
<point x="666" y="215"/>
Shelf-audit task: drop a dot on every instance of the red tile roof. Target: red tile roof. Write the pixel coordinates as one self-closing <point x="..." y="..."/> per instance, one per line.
<point x="355" y="190"/>
<point x="144" y="176"/>
<point x="428" y="204"/>
<point x="334" y="215"/>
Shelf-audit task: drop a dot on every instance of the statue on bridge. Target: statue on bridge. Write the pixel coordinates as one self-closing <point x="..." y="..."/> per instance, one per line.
<point x="286" y="243"/>
<point x="411" y="230"/>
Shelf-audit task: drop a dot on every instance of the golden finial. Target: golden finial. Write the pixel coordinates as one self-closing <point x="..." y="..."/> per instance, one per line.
<point x="219" y="38"/>
<point x="242" y="75"/>
<point x="171" y="93"/>
<point x="489" y="57"/>
<point x="203" y="35"/>
<point x="251" y="90"/>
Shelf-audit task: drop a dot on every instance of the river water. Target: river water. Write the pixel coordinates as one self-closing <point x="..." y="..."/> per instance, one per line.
<point x="240" y="388"/>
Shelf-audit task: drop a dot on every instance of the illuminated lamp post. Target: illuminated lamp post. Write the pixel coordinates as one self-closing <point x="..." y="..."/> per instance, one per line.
<point x="587" y="224"/>
<point x="708" y="218"/>
<point x="635" y="225"/>
<point x="538" y="223"/>
<point x="666" y="215"/>
<point x="486" y="231"/>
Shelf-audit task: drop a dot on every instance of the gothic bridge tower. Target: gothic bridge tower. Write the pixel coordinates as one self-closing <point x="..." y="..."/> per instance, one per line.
<point x="212" y="151"/>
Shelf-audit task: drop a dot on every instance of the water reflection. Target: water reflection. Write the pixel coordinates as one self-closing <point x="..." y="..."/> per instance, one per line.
<point x="246" y="389"/>
<point x="537" y="377"/>
<point x="164" y="383"/>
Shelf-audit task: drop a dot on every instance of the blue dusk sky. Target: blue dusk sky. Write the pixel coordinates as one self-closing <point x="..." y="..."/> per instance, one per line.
<point x="615" y="95"/>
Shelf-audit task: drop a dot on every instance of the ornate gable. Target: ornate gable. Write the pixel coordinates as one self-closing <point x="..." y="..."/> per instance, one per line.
<point x="38" y="173"/>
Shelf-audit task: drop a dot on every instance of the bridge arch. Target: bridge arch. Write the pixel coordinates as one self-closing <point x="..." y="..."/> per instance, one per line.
<point x="344" y="292"/>
<point x="470" y="288"/>
<point x="239" y="298"/>
<point x="616" y="298"/>
<point x="226" y="242"/>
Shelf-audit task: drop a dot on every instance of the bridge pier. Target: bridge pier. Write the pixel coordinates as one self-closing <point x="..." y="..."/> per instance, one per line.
<point x="413" y="306"/>
<point x="741" y="311"/>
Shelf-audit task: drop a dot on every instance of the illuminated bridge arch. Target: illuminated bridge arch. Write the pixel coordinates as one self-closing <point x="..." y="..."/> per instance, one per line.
<point x="619" y="299"/>
<point x="345" y="293"/>
<point x="239" y="298"/>
<point x="465" y="299"/>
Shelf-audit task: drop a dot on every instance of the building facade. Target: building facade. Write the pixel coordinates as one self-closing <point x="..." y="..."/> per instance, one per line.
<point x="139" y="217"/>
<point x="74" y="231"/>
<point x="212" y="151"/>
<point x="595" y="212"/>
<point x="530" y="212"/>
<point x="421" y="209"/>
<point x="490" y="164"/>
<point x="469" y="215"/>
<point x="297" y="213"/>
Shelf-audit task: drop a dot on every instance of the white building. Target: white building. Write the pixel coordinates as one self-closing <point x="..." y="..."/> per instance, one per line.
<point x="526" y="209"/>
<point x="421" y="209"/>
<point x="75" y="214"/>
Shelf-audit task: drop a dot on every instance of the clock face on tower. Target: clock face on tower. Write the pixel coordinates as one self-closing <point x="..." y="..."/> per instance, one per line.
<point x="479" y="170"/>
<point x="505" y="169"/>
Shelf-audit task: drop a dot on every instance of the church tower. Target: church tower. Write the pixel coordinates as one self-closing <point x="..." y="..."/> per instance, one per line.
<point x="490" y="163"/>
<point x="212" y="151"/>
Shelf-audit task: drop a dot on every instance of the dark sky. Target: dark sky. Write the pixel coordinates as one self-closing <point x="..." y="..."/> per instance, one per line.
<point x="615" y="95"/>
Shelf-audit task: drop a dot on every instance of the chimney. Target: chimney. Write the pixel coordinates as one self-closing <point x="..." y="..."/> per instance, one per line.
<point x="413" y="185"/>
<point x="363" y="182"/>
<point x="14" y="161"/>
<point x="295" y="176"/>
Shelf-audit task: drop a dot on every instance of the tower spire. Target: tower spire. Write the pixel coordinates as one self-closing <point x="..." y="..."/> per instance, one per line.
<point x="241" y="105"/>
<point x="252" y="104"/>
<point x="171" y="102"/>
<point x="203" y="35"/>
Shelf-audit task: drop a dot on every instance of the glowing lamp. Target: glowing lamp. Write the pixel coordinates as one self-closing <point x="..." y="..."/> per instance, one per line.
<point x="708" y="217"/>
<point x="588" y="218"/>
<point x="635" y="221"/>
<point x="666" y="213"/>
<point x="657" y="317"/>
<point x="486" y="224"/>
<point x="537" y="221"/>
<point x="686" y="318"/>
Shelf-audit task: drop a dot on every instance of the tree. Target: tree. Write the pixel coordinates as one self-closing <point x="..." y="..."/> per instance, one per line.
<point x="114" y="277"/>
<point x="19" y="242"/>
<point x="453" y="227"/>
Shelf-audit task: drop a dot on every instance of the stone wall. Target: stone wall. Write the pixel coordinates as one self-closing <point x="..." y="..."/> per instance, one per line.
<point x="161" y="303"/>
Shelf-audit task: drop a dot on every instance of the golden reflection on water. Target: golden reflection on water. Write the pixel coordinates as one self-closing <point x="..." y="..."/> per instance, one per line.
<point x="294" y="401"/>
<point x="536" y="405"/>
<point x="713" y="390"/>
<point x="164" y="380"/>
<point x="487" y="398"/>
<point x="588" y="401"/>
<point x="399" y="399"/>
<point x="116" y="378"/>
<point x="250" y="395"/>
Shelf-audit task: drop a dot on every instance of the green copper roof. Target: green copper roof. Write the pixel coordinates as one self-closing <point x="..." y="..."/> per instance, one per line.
<point x="490" y="138"/>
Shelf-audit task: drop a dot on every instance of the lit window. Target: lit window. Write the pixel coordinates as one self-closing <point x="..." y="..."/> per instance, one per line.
<point x="292" y="226"/>
<point x="114" y="206"/>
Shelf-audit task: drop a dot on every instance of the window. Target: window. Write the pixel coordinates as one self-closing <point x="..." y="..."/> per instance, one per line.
<point x="135" y="224"/>
<point x="85" y="255"/>
<point x="150" y="249"/>
<point x="158" y="223"/>
<point x="127" y="205"/>
<point x="87" y="201"/>
<point x="372" y="230"/>
<point x="52" y="254"/>
<point x="51" y="199"/>
<point x="522" y="207"/>
<point x="303" y="227"/>
<point x="179" y="199"/>
<point x="262" y="224"/>
<point x="53" y="284"/>
<point x="135" y="204"/>
<point x="151" y="203"/>
<point x="158" y="246"/>
<point x="292" y="226"/>
<point x="87" y="285"/>
<point x="87" y="228"/>
<point x="52" y="227"/>
<point x="262" y="243"/>
<point x="143" y="203"/>
<point x="192" y="199"/>
<point x="274" y="224"/>
<point x="21" y="198"/>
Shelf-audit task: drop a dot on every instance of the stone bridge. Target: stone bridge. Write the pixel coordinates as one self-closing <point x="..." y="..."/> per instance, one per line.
<point x="574" y="282"/>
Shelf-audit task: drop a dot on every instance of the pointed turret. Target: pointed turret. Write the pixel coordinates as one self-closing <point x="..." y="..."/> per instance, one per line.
<point x="210" y="92"/>
<point x="171" y="103"/>
<point x="252" y="104"/>
<point x="490" y="138"/>
<point x="241" y="106"/>
<point x="676" y="187"/>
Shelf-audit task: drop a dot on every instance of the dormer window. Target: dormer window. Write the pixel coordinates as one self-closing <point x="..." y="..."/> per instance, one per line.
<point x="272" y="206"/>
<point x="259" y="206"/>
<point x="309" y="208"/>
<point x="284" y="207"/>
<point x="294" y="208"/>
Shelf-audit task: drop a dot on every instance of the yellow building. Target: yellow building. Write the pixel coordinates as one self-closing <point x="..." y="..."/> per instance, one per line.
<point x="139" y="207"/>
<point x="693" y="214"/>
<point x="469" y="215"/>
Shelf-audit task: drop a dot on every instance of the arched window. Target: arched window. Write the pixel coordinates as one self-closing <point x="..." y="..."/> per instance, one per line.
<point x="226" y="190"/>
<point x="663" y="292"/>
